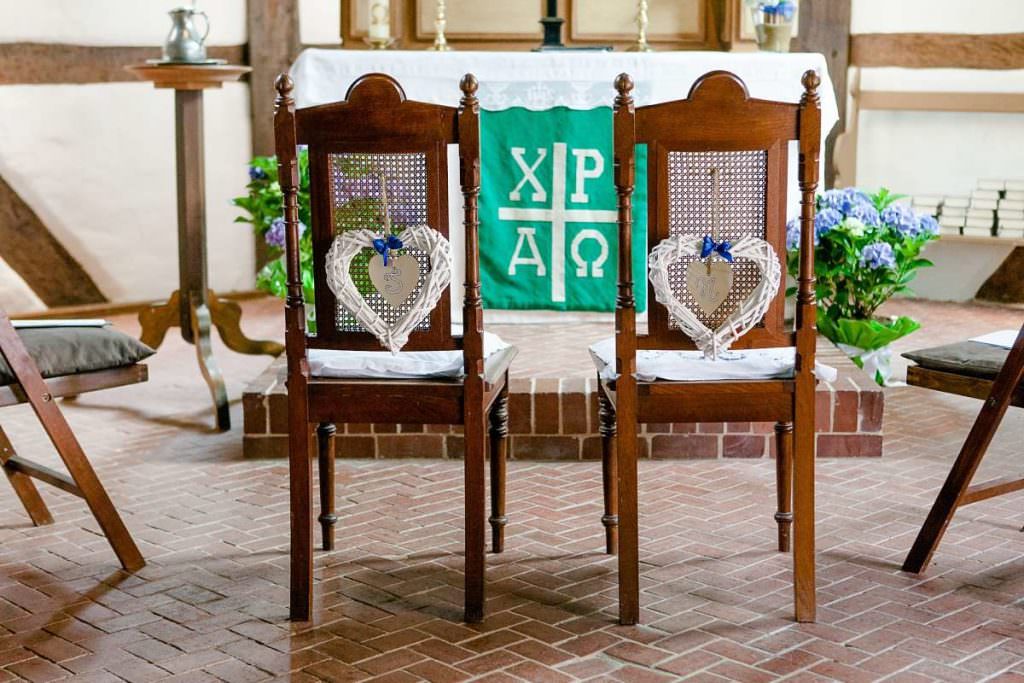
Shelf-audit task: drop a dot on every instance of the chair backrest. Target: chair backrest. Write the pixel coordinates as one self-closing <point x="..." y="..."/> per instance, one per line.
<point x="716" y="163"/>
<point x="374" y="140"/>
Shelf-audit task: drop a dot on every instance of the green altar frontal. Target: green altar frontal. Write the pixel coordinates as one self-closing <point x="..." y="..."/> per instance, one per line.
<point x="548" y="210"/>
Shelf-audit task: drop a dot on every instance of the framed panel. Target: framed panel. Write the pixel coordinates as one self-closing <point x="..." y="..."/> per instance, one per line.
<point x="615" y="20"/>
<point x="475" y="20"/>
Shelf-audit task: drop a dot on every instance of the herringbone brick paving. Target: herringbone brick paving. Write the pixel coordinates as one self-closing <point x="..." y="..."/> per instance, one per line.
<point x="212" y="602"/>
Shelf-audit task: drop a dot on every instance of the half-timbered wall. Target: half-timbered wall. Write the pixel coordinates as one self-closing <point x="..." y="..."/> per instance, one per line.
<point x="92" y="162"/>
<point x="940" y="152"/>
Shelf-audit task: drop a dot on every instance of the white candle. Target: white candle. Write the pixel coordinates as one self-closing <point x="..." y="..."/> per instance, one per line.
<point x="380" y="20"/>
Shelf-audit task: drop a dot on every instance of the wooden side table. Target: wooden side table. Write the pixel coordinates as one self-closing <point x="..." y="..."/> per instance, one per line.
<point x="193" y="307"/>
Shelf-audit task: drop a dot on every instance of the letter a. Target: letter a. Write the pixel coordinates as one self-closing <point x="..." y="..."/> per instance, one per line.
<point x="527" y="239"/>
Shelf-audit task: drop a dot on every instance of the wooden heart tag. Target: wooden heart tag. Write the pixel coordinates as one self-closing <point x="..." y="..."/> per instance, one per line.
<point x="397" y="280"/>
<point x="709" y="284"/>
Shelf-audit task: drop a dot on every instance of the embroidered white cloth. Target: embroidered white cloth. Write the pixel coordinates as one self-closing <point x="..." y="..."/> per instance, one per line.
<point x="1002" y="338"/>
<point x="542" y="80"/>
<point x="691" y="366"/>
<point x="402" y="365"/>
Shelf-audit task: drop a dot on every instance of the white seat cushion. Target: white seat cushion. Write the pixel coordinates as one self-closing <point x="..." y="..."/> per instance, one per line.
<point x="402" y="365"/>
<point x="691" y="366"/>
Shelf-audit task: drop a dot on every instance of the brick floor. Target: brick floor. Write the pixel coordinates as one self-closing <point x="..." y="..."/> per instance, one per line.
<point x="211" y="604"/>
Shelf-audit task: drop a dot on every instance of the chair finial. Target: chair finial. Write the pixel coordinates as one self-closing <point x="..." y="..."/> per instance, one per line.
<point x="624" y="84"/>
<point x="811" y="80"/>
<point x="469" y="85"/>
<point x="284" y="86"/>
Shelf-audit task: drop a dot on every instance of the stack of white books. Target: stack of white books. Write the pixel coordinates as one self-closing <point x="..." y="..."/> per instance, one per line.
<point x="953" y="214"/>
<point x="980" y="219"/>
<point x="926" y="203"/>
<point x="992" y="184"/>
<point x="1010" y="211"/>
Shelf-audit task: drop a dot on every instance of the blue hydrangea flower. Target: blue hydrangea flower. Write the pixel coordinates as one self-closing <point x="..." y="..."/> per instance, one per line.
<point x="407" y="206"/>
<point x="793" y="235"/>
<point x="903" y="219"/>
<point x="866" y="213"/>
<point x="257" y="173"/>
<point x="825" y="220"/>
<point x="878" y="255"/>
<point x="850" y="201"/>
<point x="928" y="224"/>
<point x="274" y="236"/>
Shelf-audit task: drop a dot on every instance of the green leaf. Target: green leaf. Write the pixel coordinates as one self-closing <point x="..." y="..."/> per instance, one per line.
<point x="866" y="334"/>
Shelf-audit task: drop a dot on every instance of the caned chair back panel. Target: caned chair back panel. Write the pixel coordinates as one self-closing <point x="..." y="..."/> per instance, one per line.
<point x="376" y="141"/>
<point x="717" y="165"/>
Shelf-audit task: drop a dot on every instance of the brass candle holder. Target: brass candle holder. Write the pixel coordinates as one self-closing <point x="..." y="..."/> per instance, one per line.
<point x="440" y="22"/>
<point x="641" y="44"/>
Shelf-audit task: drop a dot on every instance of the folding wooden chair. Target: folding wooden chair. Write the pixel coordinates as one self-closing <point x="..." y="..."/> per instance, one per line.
<point x="376" y="132"/>
<point x="718" y="131"/>
<point x="982" y="371"/>
<point x="75" y="361"/>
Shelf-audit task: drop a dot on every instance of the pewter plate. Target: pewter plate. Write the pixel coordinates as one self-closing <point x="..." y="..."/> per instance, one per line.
<point x="174" y="62"/>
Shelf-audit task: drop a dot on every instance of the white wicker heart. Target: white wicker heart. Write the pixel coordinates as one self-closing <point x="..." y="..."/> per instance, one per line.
<point x="422" y="237"/>
<point x="747" y="314"/>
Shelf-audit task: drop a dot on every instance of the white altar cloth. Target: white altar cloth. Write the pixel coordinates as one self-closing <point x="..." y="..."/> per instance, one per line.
<point x="541" y="80"/>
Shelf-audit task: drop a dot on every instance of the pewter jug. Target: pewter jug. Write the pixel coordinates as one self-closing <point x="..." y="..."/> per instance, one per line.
<point x="184" y="42"/>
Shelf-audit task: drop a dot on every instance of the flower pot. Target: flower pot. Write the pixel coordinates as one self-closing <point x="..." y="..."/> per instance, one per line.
<point x="774" y="37"/>
<point x="867" y="342"/>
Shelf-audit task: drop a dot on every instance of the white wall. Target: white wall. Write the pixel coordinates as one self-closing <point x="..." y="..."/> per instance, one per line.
<point x="320" y="22"/>
<point x="941" y="152"/>
<point x="112" y="22"/>
<point x="96" y="161"/>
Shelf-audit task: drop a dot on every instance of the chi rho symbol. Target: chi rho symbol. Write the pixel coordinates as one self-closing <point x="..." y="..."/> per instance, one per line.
<point x="527" y="259"/>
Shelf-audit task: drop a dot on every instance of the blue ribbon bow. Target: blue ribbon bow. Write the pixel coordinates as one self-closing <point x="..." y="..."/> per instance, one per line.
<point x="383" y="245"/>
<point x="710" y="246"/>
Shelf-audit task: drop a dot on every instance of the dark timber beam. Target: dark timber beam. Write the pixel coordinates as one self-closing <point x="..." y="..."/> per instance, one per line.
<point x="1006" y="285"/>
<point x="54" y="63"/>
<point x="936" y="50"/>
<point x="273" y="44"/>
<point x="31" y="251"/>
<point x="825" y="28"/>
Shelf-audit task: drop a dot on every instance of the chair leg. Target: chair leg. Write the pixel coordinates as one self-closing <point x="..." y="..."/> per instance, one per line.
<point x="804" y="587"/>
<point x="23" y="486"/>
<point x="499" y="453"/>
<point x="300" y="482"/>
<point x="609" y="473"/>
<point x="784" y="482"/>
<point x="476" y="515"/>
<point x="325" y="451"/>
<point x="629" y="530"/>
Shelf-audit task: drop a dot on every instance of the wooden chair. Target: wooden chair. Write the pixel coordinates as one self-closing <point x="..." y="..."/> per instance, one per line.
<point x="717" y="126"/>
<point x="376" y="125"/>
<point x="982" y="371"/>
<point x="111" y="361"/>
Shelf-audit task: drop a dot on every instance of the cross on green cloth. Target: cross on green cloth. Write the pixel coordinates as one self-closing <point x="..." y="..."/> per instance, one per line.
<point x="548" y="211"/>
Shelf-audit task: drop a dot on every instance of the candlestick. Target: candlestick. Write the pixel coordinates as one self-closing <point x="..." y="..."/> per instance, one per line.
<point x="552" y="24"/>
<point x="440" y="21"/>
<point x="641" y="44"/>
<point x="379" y="31"/>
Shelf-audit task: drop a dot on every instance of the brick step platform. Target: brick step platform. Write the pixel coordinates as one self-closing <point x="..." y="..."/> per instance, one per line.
<point x="553" y="412"/>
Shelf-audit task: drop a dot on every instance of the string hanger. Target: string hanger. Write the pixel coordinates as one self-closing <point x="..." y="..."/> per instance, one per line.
<point x="712" y="245"/>
<point x="387" y="243"/>
<point x="716" y="198"/>
<point x="385" y="209"/>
